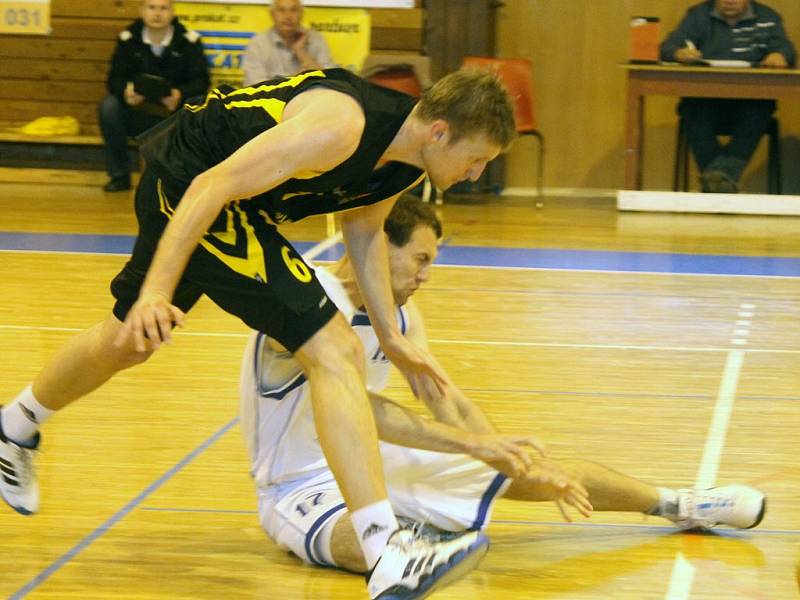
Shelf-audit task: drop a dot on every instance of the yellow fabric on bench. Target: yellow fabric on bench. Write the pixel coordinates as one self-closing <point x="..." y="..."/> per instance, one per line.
<point x="49" y="126"/>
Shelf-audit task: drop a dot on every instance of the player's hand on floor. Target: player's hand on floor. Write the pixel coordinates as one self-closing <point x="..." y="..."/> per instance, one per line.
<point x="506" y="453"/>
<point x="150" y="322"/>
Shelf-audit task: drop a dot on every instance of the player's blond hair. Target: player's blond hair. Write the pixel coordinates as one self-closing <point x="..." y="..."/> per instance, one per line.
<point x="472" y="102"/>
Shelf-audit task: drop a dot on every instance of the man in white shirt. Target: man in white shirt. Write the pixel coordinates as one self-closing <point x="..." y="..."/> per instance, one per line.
<point x="445" y="471"/>
<point x="286" y="48"/>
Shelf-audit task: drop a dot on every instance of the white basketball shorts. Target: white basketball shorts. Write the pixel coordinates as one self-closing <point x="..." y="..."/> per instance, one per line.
<point x="453" y="492"/>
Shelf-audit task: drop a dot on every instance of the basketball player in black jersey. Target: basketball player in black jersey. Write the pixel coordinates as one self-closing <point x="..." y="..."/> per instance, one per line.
<point x="220" y="175"/>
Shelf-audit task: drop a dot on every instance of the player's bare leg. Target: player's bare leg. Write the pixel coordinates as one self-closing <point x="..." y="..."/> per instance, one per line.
<point x="82" y="365"/>
<point x="739" y="506"/>
<point x="85" y="363"/>
<point x="608" y="489"/>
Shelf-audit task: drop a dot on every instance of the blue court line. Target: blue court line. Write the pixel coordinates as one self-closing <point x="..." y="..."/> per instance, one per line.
<point x="531" y="258"/>
<point x="606" y="260"/>
<point x="212" y="46"/>
<point x="653" y="528"/>
<point x="225" y="34"/>
<point x="121" y="514"/>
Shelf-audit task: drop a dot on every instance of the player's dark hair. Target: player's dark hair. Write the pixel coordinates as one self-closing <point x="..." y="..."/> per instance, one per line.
<point x="410" y="212"/>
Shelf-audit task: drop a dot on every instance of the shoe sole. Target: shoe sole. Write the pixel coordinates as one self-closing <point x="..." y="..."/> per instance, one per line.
<point x="25" y="511"/>
<point x="456" y="569"/>
<point x="761" y="514"/>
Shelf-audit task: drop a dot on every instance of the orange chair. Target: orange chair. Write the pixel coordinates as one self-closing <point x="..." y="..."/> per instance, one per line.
<point x="517" y="75"/>
<point x="398" y="77"/>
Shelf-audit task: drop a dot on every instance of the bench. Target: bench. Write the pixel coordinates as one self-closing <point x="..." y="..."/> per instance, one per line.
<point x="58" y="145"/>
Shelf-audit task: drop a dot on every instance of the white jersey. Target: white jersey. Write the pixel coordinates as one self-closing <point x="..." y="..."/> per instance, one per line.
<point x="277" y="419"/>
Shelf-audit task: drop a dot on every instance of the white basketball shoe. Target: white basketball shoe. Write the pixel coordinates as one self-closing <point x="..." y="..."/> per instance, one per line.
<point x="739" y="506"/>
<point x="18" y="484"/>
<point x="413" y="567"/>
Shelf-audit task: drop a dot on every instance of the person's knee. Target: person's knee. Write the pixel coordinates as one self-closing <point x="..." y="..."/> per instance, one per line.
<point x="104" y="347"/>
<point x="334" y="349"/>
<point x="111" y="110"/>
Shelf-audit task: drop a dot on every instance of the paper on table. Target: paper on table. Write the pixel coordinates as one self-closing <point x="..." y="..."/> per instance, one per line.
<point x="735" y="64"/>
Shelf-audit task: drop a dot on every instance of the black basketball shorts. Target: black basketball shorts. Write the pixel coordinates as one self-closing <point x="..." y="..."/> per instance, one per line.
<point x="247" y="268"/>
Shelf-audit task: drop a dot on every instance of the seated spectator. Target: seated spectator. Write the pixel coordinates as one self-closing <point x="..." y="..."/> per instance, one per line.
<point x="735" y="30"/>
<point x="171" y="57"/>
<point x="286" y="48"/>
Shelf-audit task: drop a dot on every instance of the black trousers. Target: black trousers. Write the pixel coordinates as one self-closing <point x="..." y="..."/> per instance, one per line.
<point x="118" y="122"/>
<point x="706" y="118"/>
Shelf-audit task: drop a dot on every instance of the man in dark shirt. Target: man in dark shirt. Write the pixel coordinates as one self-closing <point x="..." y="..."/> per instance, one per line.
<point x="730" y="30"/>
<point x="155" y="49"/>
<point x="220" y="174"/>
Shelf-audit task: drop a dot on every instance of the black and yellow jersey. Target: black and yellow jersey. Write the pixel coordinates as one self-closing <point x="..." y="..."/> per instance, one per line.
<point x="203" y="134"/>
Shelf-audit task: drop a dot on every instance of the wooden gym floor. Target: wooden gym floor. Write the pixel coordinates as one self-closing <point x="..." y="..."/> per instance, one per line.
<point x="665" y="346"/>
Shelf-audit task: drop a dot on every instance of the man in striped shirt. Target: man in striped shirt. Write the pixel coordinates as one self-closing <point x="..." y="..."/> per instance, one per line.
<point x="740" y="30"/>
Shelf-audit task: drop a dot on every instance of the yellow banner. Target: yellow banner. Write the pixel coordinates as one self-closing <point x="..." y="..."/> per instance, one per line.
<point x="227" y="28"/>
<point x="28" y="17"/>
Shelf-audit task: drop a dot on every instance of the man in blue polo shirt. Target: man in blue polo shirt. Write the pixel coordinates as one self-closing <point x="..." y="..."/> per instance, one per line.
<point x="732" y="30"/>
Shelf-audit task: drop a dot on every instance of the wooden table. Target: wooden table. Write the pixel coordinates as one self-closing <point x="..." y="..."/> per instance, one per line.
<point x="681" y="80"/>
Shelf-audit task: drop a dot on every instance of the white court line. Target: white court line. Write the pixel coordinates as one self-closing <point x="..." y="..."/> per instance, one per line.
<point x="609" y="346"/>
<point x="717" y="432"/>
<point x="229" y="334"/>
<point x="318" y="249"/>
<point x="680" y="584"/>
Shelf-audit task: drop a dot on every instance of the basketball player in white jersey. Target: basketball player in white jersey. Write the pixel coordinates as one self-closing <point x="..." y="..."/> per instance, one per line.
<point x="446" y="471"/>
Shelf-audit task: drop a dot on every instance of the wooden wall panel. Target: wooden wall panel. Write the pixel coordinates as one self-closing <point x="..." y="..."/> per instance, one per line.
<point x="576" y="48"/>
<point x="50" y="49"/>
<point x="97" y="9"/>
<point x="48" y="91"/>
<point x="21" y="112"/>
<point x="63" y="70"/>
<point x="397" y="18"/>
<point x="396" y="39"/>
<point x="92" y="29"/>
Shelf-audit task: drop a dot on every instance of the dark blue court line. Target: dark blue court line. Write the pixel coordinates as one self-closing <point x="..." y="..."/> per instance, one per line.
<point x="213" y="46"/>
<point x="606" y="260"/>
<point x="532" y="258"/>
<point x="121" y="514"/>
<point x="225" y="34"/>
<point x="654" y="528"/>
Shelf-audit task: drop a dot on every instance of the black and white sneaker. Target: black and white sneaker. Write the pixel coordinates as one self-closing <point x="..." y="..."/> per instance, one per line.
<point x="18" y="484"/>
<point x="413" y="567"/>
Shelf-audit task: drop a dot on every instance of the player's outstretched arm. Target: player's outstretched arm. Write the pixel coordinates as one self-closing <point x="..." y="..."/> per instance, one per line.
<point x="362" y="230"/>
<point x="319" y="130"/>
<point x="399" y="425"/>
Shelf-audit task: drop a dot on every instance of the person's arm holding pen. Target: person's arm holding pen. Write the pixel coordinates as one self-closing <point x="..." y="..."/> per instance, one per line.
<point x="688" y="53"/>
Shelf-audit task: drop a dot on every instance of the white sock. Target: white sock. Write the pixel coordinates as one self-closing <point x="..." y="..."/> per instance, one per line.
<point x="22" y="418"/>
<point x="374" y="524"/>
<point x="667" y="503"/>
